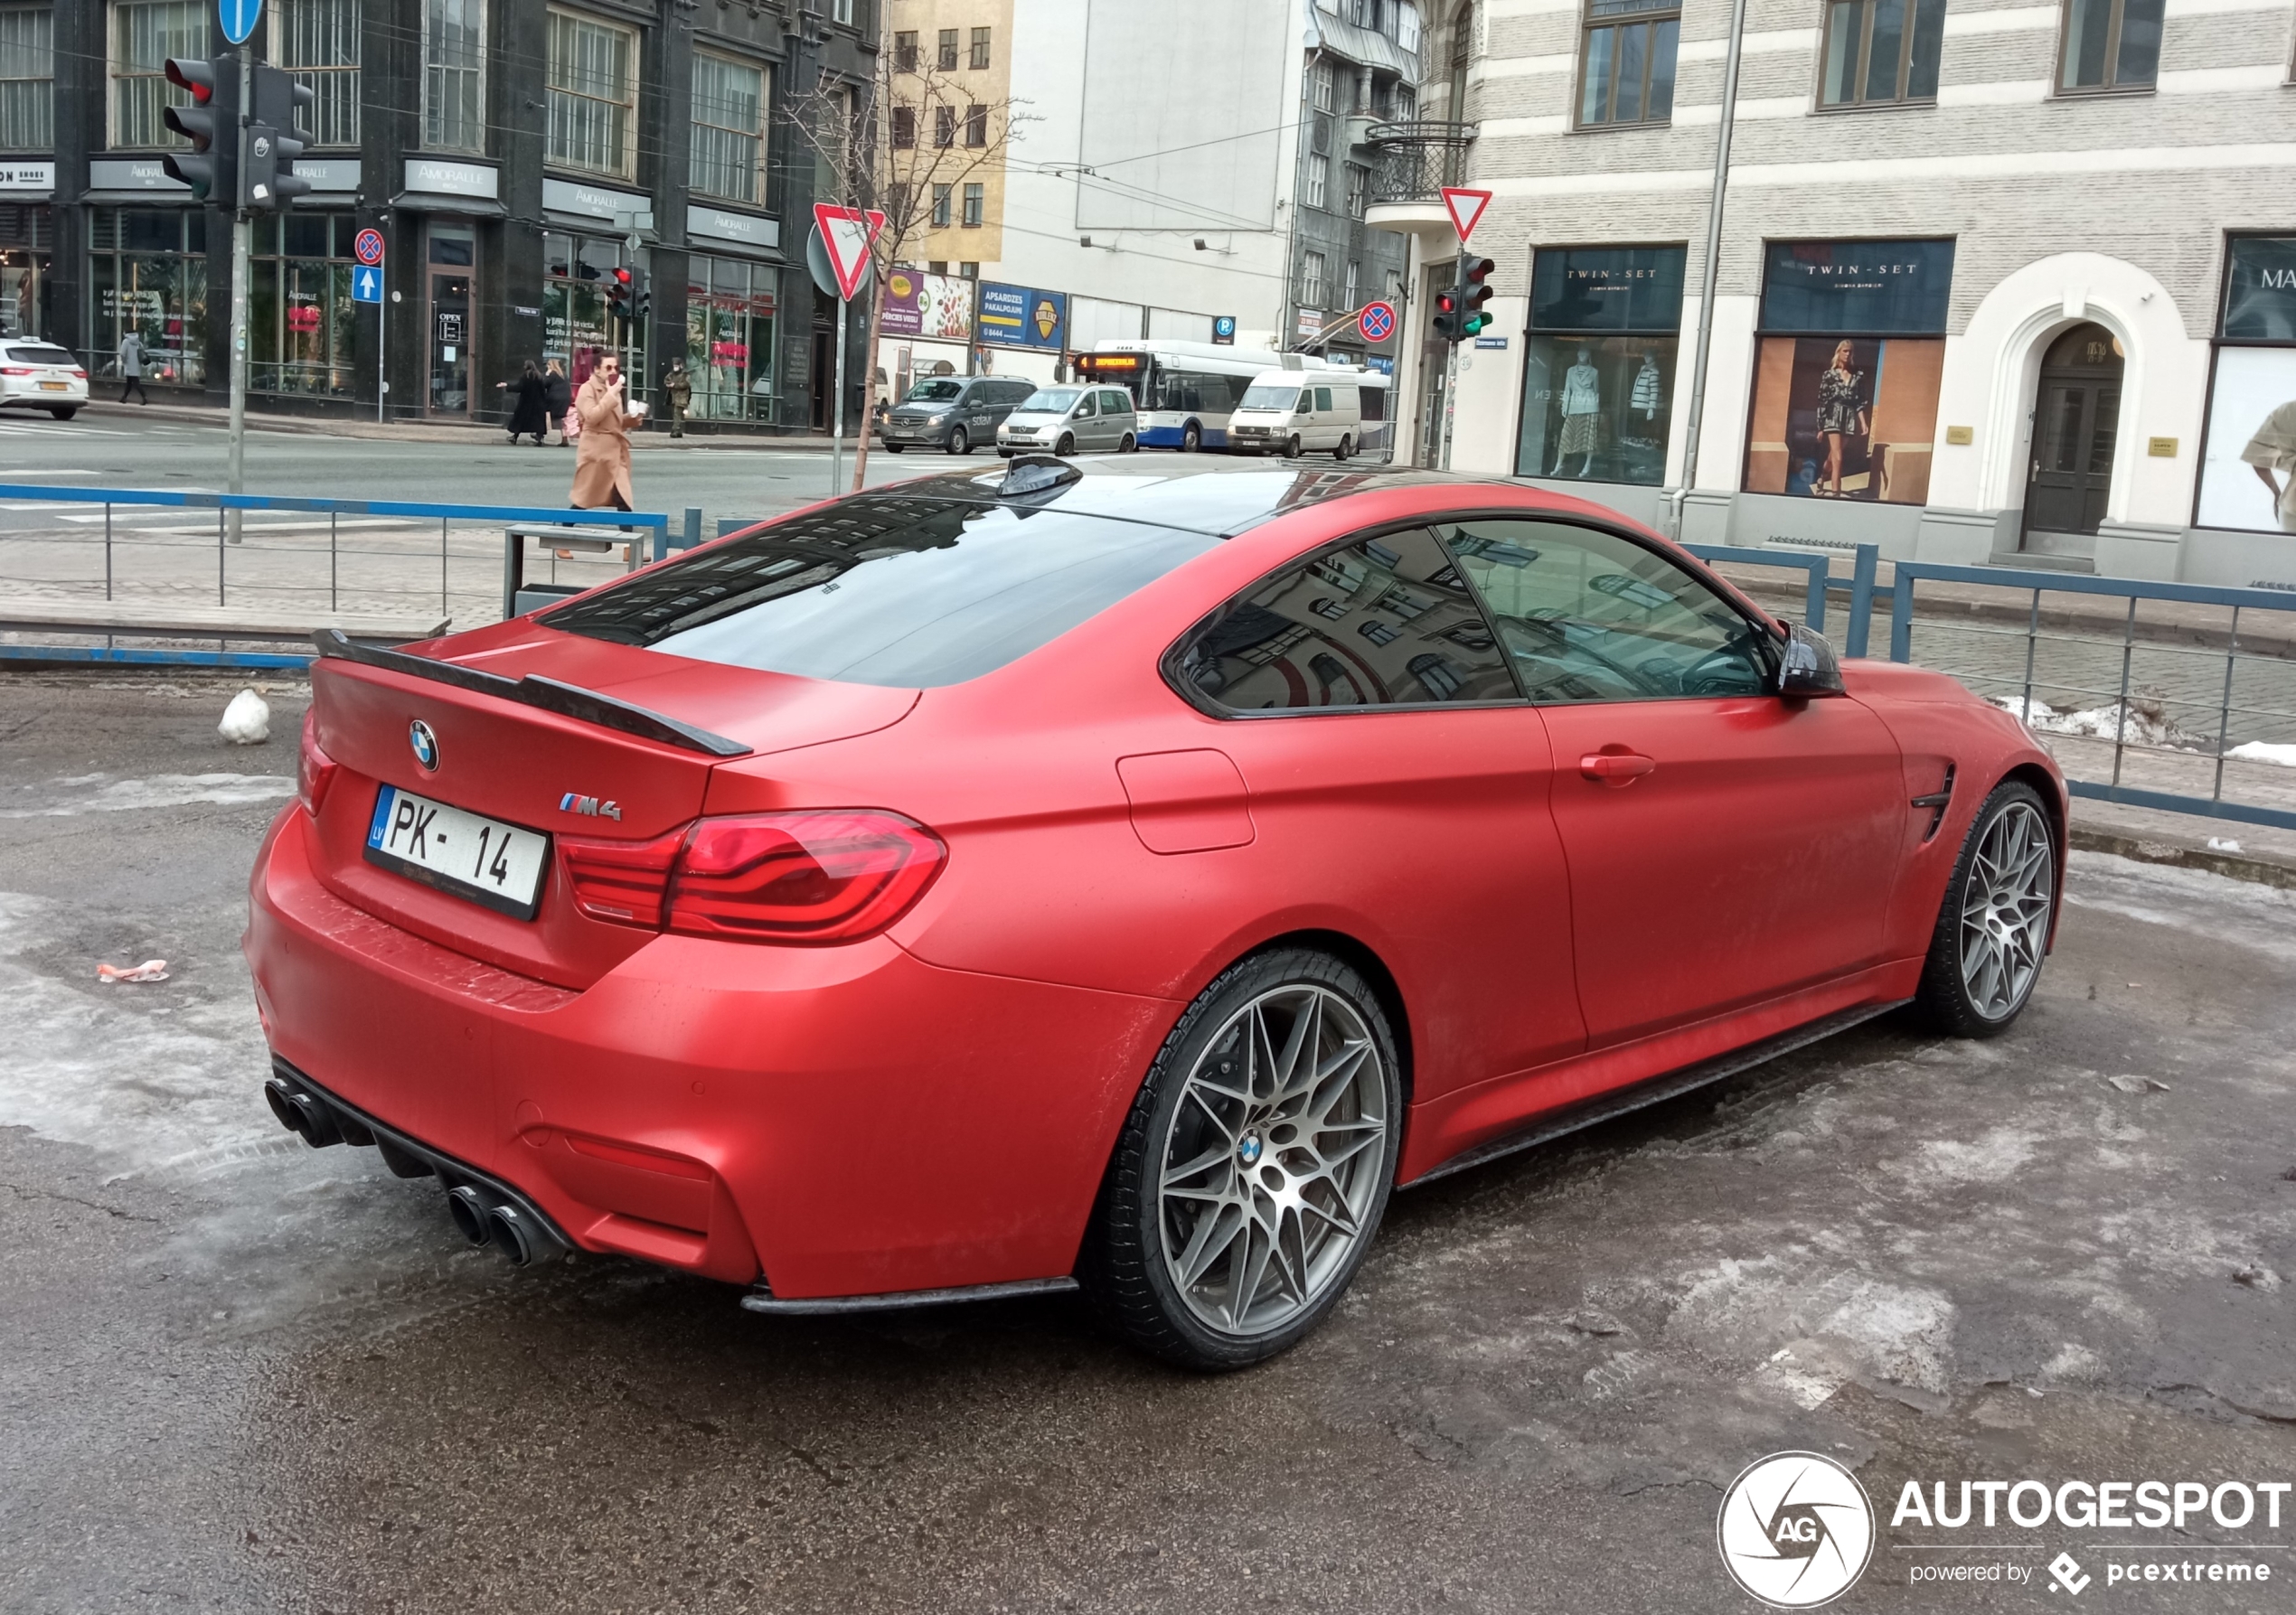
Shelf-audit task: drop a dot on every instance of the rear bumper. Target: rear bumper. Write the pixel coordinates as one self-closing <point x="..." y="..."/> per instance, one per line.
<point x="847" y="1120"/>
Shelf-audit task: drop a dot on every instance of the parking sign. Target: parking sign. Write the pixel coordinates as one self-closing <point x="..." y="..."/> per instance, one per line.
<point x="369" y="247"/>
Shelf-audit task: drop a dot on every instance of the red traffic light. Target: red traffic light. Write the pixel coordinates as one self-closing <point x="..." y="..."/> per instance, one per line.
<point x="621" y="278"/>
<point x="198" y="77"/>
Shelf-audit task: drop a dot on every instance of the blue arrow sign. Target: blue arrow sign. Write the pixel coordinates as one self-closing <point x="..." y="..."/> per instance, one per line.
<point x="366" y="285"/>
<point x="239" y="18"/>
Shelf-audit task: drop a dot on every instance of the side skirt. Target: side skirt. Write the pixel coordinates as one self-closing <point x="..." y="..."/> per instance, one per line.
<point x="1656" y="1090"/>
<point x="762" y="1300"/>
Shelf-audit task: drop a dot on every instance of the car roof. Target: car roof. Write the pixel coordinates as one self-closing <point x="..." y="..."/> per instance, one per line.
<point x="1214" y="496"/>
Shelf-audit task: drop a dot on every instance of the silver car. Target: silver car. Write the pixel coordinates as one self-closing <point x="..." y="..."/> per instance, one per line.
<point x="1071" y="419"/>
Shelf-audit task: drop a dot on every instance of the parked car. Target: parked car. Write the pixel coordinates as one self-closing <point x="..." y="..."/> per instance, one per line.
<point x="1070" y="420"/>
<point x="1296" y="412"/>
<point x="951" y="412"/>
<point x="39" y="375"/>
<point x="1119" y="876"/>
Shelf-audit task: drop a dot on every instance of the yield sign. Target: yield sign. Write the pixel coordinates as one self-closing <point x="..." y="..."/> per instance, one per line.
<point x="1465" y="208"/>
<point x="847" y="235"/>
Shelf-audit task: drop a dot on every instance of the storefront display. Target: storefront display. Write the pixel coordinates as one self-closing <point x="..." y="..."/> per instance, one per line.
<point x="731" y="307"/>
<point x="1598" y="369"/>
<point x="147" y="272"/>
<point x="2248" y="468"/>
<point x="1848" y="367"/>
<point x="301" y="320"/>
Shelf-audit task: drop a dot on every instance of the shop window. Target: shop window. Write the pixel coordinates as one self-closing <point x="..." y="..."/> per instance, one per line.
<point x="301" y="320"/>
<point x="975" y="202"/>
<point x="905" y="51"/>
<point x="147" y="273"/>
<point x="941" y="206"/>
<point x="318" y="40"/>
<point x="1881" y="51"/>
<point x="730" y="310"/>
<point x="1598" y="364"/>
<point x="1626" y="62"/>
<point x="2109" y="44"/>
<point x="729" y="100"/>
<point x="593" y="96"/>
<point x="145" y="35"/>
<point x="1847" y="369"/>
<point x="454" y="75"/>
<point x="27" y="77"/>
<point x="2248" y="455"/>
<point x="946" y="56"/>
<point x="980" y="57"/>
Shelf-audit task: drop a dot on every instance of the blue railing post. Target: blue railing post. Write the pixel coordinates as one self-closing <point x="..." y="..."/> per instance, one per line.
<point x="1901" y="617"/>
<point x="692" y="527"/>
<point x="1861" y="600"/>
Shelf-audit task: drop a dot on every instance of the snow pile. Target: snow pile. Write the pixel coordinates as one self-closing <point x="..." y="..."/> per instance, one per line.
<point x="2147" y="723"/>
<point x="247" y="721"/>
<point x="2264" y="751"/>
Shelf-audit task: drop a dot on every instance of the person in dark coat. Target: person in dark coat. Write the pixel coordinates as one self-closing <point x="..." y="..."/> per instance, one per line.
<point x="558" y="397"/>
<point x="527" y="393"/>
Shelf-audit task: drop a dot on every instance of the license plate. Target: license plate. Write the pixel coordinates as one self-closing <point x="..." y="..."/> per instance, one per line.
<point x="55" y="386"/>
<point x="491" y="863"/>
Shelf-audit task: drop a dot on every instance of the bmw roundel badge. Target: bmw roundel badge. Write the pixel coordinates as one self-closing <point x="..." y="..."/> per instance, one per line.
<point x="425" y="743"/>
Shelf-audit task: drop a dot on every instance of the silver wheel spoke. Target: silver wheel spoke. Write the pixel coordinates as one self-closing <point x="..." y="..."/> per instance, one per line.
<point x="2004" y="910"/>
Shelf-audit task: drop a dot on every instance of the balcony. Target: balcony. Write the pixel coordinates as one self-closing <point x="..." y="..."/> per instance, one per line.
<point x="1414" y="160"/>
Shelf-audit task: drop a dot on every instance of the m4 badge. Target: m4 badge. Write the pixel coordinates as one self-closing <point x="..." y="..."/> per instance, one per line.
<point x="589" y="807"/>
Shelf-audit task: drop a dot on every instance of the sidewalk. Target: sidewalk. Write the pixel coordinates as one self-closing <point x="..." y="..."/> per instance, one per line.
<point x="652" y="435"/>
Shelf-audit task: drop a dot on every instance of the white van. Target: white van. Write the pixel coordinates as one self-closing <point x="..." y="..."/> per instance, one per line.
<point x="1302" y="411"/>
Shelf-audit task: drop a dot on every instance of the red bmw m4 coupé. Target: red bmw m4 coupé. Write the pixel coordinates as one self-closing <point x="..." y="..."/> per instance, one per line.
<point x="1118" y="877"/>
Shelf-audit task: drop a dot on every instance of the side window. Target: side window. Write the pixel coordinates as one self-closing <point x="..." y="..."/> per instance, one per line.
<point x="1385" y="622"/>
<point x="1375" y="403"/>
<point x="1589" y="616"/>
<point x="1116" y="403"/>
<point x="1087" y="406"/>
<point x="1324" y="400"/>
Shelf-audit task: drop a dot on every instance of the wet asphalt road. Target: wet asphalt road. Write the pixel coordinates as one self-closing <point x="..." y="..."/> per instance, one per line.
<point x="238" y="1375"/>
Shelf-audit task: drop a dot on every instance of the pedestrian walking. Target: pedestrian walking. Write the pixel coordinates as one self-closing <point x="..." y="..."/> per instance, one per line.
<point x="131" y="367"/>
<point x="677" y="392"/>
<point x="602" y="461"/>
<point x="526" y="395"/>
<point x="558" y="397"/>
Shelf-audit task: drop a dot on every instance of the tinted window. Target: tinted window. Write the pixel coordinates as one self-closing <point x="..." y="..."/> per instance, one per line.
<point x="937" y="391"/>
<point x="42" y="356"/>
<point x="1116" y="403"/>
<point x="1588" y="616"/>
<point x="900" y="591"/>
<point x="1382" y="622"/>
<point x="1375" y="402"/>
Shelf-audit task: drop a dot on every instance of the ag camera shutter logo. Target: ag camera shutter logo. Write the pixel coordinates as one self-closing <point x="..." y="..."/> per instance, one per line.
<point x="1797" y="1530"/>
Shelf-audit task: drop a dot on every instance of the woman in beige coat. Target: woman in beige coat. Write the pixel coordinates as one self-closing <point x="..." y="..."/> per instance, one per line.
<point x="602" y="462"/>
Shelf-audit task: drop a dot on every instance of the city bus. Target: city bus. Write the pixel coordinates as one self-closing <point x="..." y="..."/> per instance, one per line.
<point x="1184" y="391"/>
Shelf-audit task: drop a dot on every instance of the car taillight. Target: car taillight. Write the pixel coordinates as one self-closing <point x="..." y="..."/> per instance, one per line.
<point x="816" y="876"/>
<point x="315" y="770"/>
<point x="80" y="375"/>
<point x="15" y="369"/>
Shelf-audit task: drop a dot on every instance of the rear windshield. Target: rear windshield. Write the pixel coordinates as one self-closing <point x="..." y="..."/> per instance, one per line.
<point x="1049" y="401"/>
<point x="933" y="392"/>
<point x="1270" y="397"/>
<point x="905" y="591"/>
<point x="41" y="355"/>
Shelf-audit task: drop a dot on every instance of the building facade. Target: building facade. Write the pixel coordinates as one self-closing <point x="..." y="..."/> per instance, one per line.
<point x="512" y="154"/>
<point x="1998" y="281"/>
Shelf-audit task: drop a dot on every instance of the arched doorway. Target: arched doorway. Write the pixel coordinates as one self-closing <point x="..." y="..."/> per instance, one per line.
<point x="2076" y="418"/>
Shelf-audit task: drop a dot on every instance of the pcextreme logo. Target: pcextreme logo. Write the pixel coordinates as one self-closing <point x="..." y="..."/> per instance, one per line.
<point x="1797" y="1530"/>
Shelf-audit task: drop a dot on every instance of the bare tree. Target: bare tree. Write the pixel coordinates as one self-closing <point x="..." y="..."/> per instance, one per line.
<point x="909" y="140"/>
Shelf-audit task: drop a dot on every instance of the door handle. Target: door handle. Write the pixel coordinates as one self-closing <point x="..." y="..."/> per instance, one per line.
<point x="1615" y="768"/>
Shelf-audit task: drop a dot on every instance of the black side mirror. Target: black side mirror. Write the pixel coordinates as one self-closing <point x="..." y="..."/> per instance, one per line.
<point x="1807" y="667"/>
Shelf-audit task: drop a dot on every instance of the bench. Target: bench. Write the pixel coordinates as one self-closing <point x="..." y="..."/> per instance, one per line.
<point x="160" y="619"/>
<point x="520" y="596"/>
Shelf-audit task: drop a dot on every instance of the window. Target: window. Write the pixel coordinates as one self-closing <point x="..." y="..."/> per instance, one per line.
<point x="2248" y="460"/>
<point x="944" y="127"/>
<point x="1359" y="188"/>
<point x="301" y="320"/>
<point x="1322" y="86"/>
<point x="973" y="205"/>
<point x="27" y="79"/>
<point x="947" y="55"/>
<point x="1598" y="364"/>
<point x="940" y="215"/>
<point x="2110" y="44"/>
<point x="1872" y="57"/>
<point x="1318" y="181"/>
<point x="147" y="273"/>
<point x="842" y="11"/>
<point x="1358" y="626"/>
<point x="1587" y="615"/>
<point x="454" y="60"/>
<point x="318" y="40"/>
<point x="904" y="129"/>
<point x="980" y="57"/>
<point x="1312" y="280"/>
<point x="1354" y="283"/>
<point x="1406" y="104"/>
<point x="729" y="127"/>
<point x="1626" y="69"/>
<point x="905" y="51"/>
<point x="146" y="33"/>
<point x="976" y="125"/>
<point x="593" y="96"/>
<point x="1406" y="25"/>
<point x="970" y="269"/>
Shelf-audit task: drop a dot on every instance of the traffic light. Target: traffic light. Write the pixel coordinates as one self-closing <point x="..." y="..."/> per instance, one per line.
<point x="1447" y="319"/>
<point x="211" y="123"/>
<point x="641" y="295"/>
<point x="618" y="286"/>
<point x="1473" y="292"/>
<point x="274" y="141"/>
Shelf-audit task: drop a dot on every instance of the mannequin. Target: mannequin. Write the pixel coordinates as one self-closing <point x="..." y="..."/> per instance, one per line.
<point x="1648" y="389"/>
<point x="1582" y="408"/>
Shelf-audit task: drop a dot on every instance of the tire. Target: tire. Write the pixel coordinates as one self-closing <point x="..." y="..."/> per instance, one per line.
<point x="1004" y="453"/>
<point x="64" y="411"/>
<point x="1231" y="1147"/>
<point x="960" y="441"/>
<point x="894" y="448"/>
<point x="1067" y="446"/>
<point x="1191" y="438"/>
<point x="1986" y="954"/>
<point x="1346" y="447"/>
<point x="1129" y="444"/>
<point x="1292" y="446"/>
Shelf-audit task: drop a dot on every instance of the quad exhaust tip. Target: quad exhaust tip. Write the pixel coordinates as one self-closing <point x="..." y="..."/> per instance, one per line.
<point x="469" y="1209"/>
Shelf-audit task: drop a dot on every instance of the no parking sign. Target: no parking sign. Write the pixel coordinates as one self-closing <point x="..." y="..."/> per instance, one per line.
<point x="369" y="247"/>
<point x="1376" y="322"/>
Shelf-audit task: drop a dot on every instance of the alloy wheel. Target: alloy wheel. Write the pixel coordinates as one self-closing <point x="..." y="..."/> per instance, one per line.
<point x="1269" y="1170"/>
<point x="2005" y="911"/>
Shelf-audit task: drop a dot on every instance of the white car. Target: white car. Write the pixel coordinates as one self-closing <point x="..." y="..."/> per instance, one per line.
<point x="38" y="375"/>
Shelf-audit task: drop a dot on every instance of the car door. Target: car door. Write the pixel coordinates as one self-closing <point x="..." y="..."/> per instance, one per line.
<point x="1083" y="422"/>
<point x="1726" y="845"/>
<point x="1115" y="408"/>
